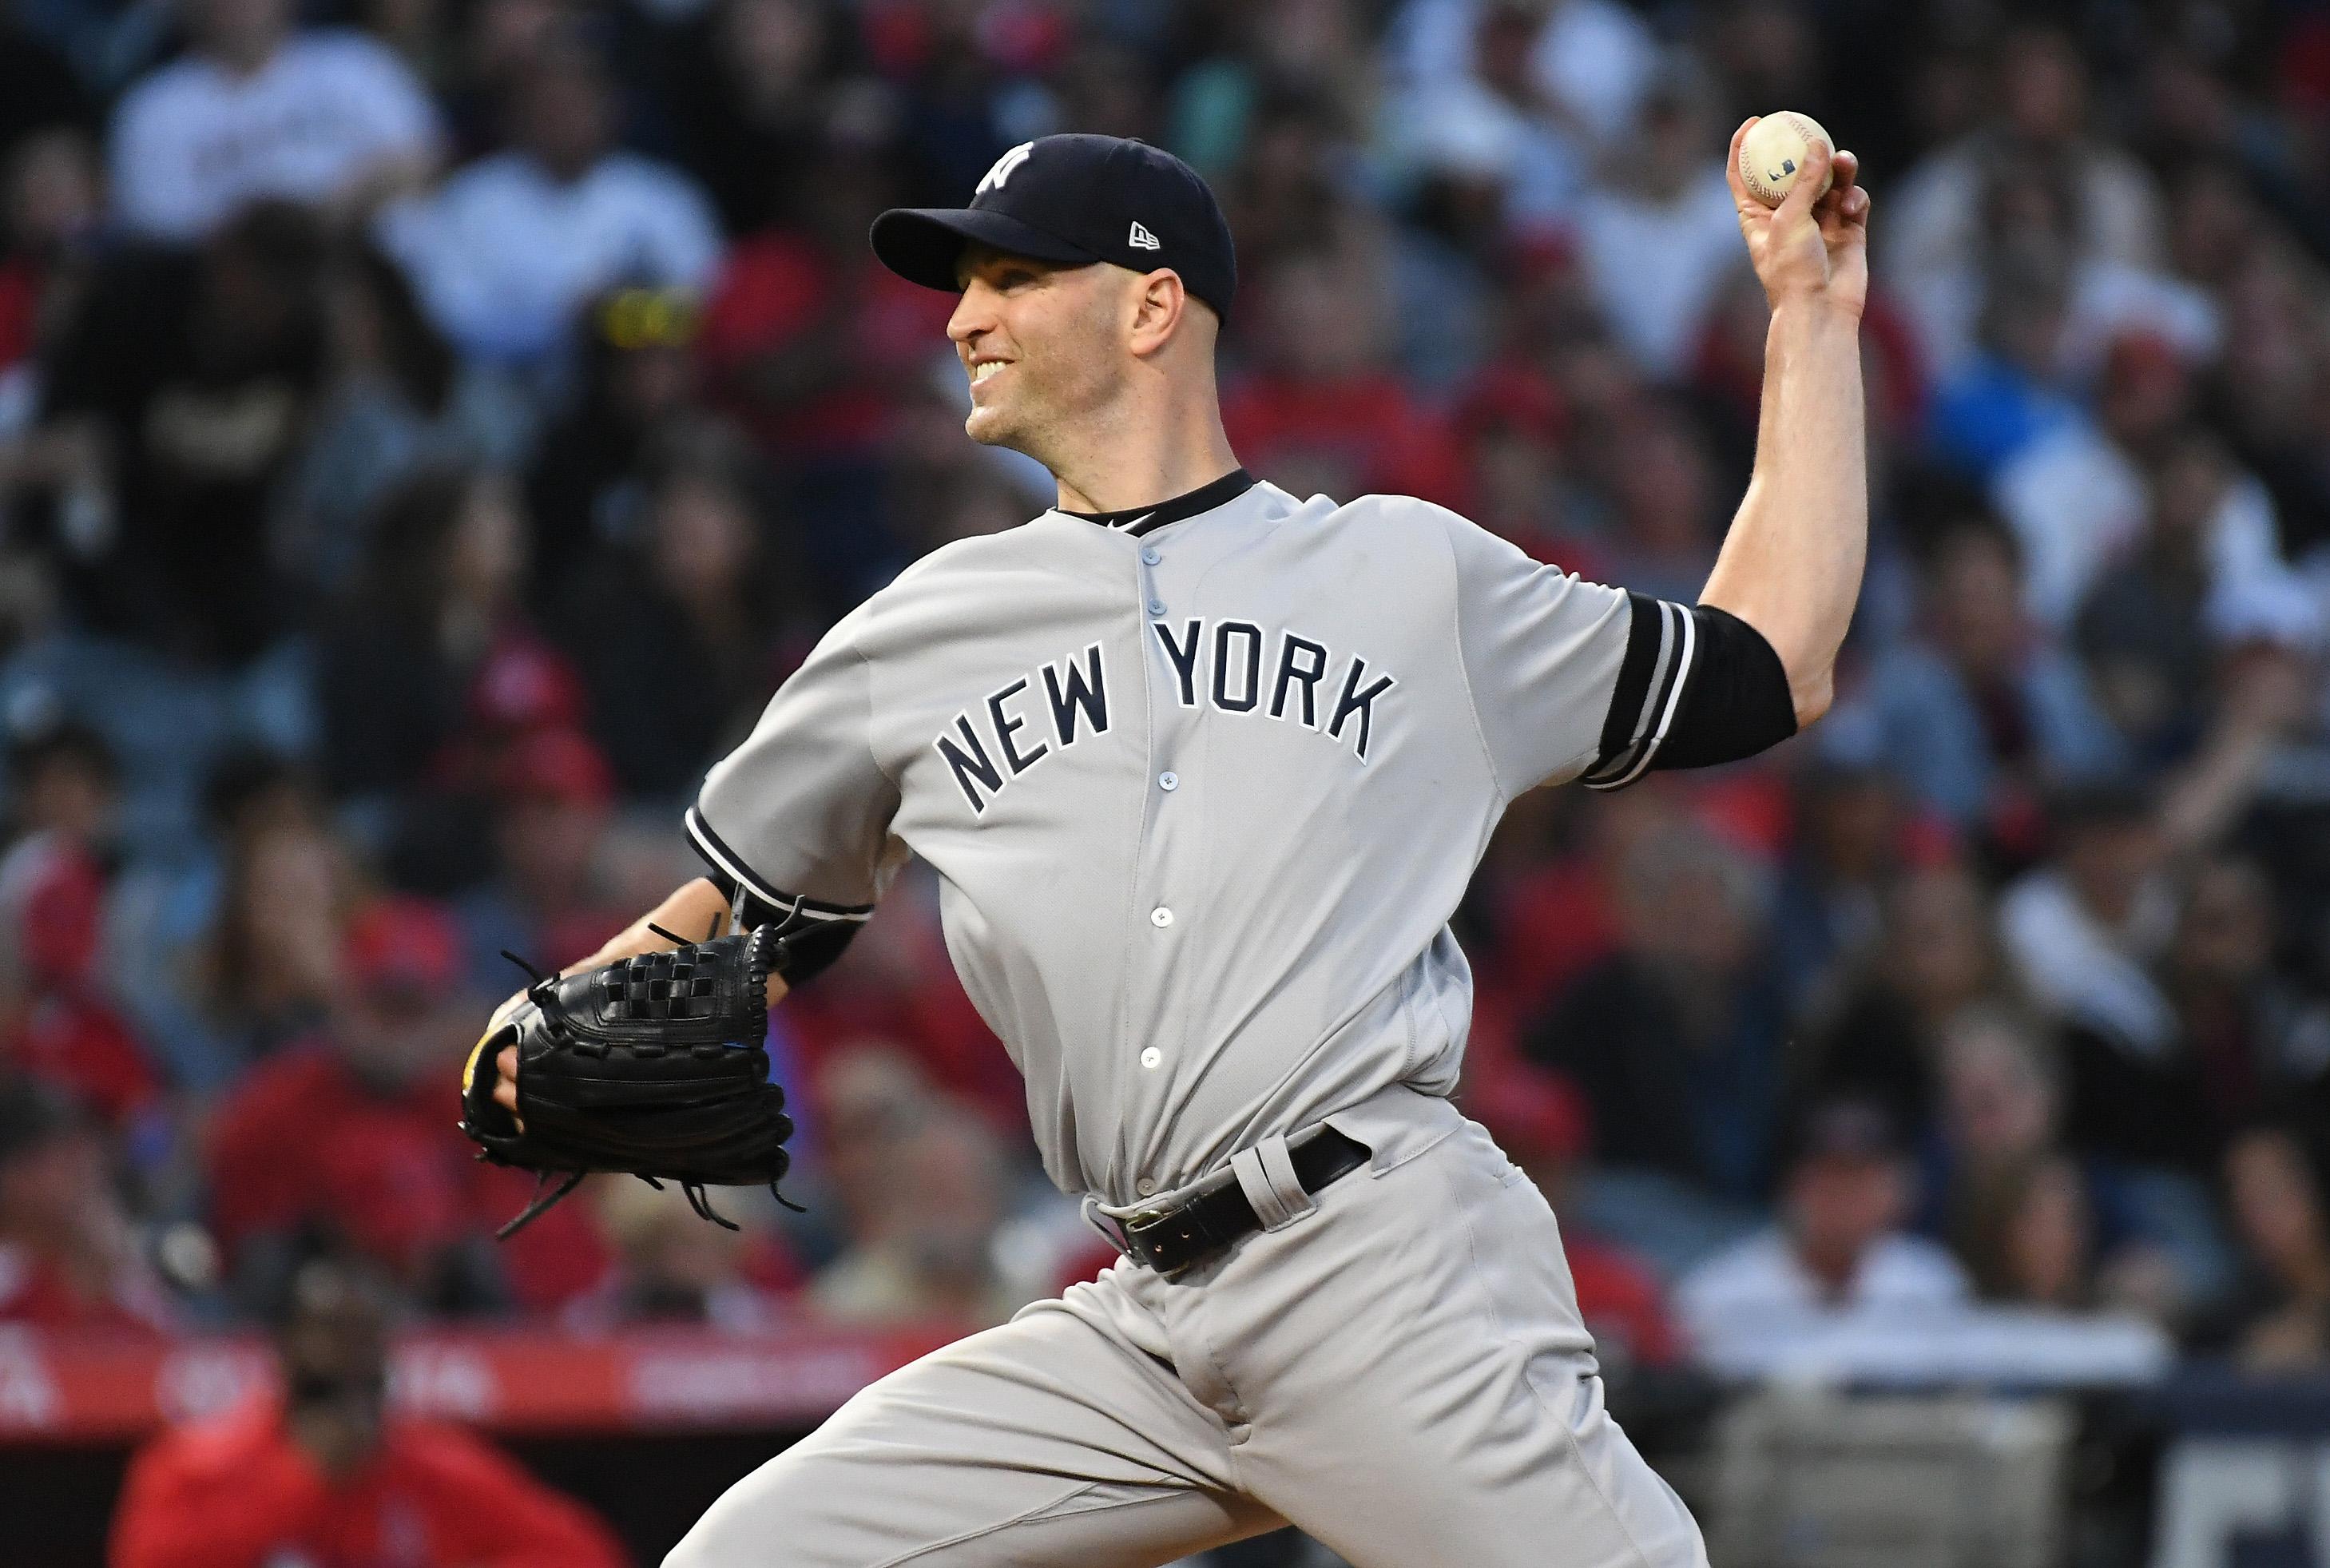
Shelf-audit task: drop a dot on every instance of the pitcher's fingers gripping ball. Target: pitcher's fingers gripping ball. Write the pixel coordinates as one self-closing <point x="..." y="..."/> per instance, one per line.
<point x="652" y="1066"/>
<point x="1814" y="243"/>
<point x="1773" y="152"/>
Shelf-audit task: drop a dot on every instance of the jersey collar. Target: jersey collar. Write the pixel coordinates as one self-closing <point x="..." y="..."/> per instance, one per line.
<point x="1139" y="520"/>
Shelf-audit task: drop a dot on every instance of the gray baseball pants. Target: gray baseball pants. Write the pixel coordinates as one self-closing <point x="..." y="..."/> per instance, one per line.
<point x="1398" y="1368"/>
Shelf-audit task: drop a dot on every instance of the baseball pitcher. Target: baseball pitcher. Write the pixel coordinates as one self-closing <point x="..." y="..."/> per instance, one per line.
<point x="1203" y="767"/>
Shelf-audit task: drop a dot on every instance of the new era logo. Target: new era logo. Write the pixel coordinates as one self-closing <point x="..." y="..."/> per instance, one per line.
<point x="1141" y="239"/>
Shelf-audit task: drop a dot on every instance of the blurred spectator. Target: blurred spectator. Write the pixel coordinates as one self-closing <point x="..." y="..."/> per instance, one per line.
<point x="2039" y="134"/>
<point x="69" y="1255"/>
<point x="817" y="350"/>
<point x="2006" y="393"/>
<point x="1323" y="414"/>
<point x="2143" y="628"/>
<point x="264" y="973"/>
<point x="1491" y="139"/>
<point x="259" y="110"/>
<point x="672" y="1267"/>
<point x="51" y="205"/>
<point x="2001" y="1090"/>
<point x="1675" y="1038"/>
<point x="348" y="1136"/>
<point x="2084" y="929"/>
<point x="335" y="1128"/>
<point x="326" y="1472"/>
<point x="751" y="86"/>
<point x="1980" y="715"/>
<point x="866" y="1099"/>
<point x="1883" y="1037"/>
<point x="924" y="1250"/>
<point x="1658" y="472"/>
<point x="509" y="248"/>
<point x="1511" y="423"/>
<point x="396" y="403"/>
<point x="675" y="636"/>
<point x="584" y="492"/>
<point x="545" y="901"/>
<point x="439" y="600"/>
<point x="1660" y="235"/>
<point x="2232" y="1039"/>
<point x="2279" y="1318"/>
<point x="56" y="1022"/>
<point x="39" y="88"/>
<point x="1838" y="1253"/>
<point x="2031" y="1238"/>
<point x="63" y="779"/>
<point x="2034" y="1236"/>
<point x="1589" y="63"/>
<point x="2135" y="481"/>
<point x="197" y="369"/>
<point x="1853" y="836"/>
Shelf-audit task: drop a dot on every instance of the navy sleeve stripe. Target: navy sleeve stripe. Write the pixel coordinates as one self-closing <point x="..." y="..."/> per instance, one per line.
<point x="1645" y="649"/>
<point x="1660" y="647"/>
<point x="731" y="876"/>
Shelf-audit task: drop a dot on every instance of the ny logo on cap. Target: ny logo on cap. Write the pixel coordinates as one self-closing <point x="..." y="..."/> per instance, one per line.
<point x="1141" y="239"/>
<point x="993" y="179"/>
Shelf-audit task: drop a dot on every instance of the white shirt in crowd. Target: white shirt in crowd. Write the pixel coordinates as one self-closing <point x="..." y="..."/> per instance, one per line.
<point x="1753" y="1305"/>
<point x="1594" y="58"/>
<point x="1656" y="266"/>
<point x="503" y="253"/>
<point x="193" y="142"/>
<point x="2083" y="970"/>
<point x="2079" y="504"/>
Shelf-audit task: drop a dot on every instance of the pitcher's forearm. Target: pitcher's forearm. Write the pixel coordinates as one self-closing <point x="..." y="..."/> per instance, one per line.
<point x="695" y="910"/>
<point x="1791" y="565"/>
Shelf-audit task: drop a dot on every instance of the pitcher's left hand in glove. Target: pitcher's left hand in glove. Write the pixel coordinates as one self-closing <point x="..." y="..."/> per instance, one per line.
<point x="652" y="1066"/>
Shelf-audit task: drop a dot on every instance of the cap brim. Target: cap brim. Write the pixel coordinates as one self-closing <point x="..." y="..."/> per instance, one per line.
<point x="922" y="244"/>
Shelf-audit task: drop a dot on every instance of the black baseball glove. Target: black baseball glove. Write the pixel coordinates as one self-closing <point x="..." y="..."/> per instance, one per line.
<point x="653" y="1065"/>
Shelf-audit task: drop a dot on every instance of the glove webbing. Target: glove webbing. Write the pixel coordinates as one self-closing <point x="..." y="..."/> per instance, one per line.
<point x="540" y="992"/>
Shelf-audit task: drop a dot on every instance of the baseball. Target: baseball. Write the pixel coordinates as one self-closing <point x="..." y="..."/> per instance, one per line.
<point x="1772" y="150"/>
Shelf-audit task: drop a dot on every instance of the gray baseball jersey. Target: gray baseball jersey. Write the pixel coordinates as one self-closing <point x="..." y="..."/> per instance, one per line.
<point x="1202" y="789"/>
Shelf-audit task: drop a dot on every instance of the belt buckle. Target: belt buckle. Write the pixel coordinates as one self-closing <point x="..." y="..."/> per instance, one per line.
<point x="1133" y="1225"/>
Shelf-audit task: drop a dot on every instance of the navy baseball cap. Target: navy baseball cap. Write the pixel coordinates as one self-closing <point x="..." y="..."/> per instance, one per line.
<point x="1074" y="199"/>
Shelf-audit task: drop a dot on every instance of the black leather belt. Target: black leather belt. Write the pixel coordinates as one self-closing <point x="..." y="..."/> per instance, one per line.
<point x="1176" y="1240"/>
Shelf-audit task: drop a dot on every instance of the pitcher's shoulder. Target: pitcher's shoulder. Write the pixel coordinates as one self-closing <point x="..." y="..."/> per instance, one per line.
<point x="1389" y="515"/>
<point x="1404" y="534"/>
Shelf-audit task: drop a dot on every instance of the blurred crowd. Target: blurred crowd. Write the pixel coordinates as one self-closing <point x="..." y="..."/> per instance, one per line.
<point x="430" y="429"/>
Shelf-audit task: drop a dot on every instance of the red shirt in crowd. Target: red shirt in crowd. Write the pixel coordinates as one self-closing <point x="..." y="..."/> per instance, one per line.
<point x="85" y="1048"/>
<point x="36" y="1290"/>
<point x="238" y="1492"/>
<point x="302" y="1137"/>
<point x="1363" y="436"/>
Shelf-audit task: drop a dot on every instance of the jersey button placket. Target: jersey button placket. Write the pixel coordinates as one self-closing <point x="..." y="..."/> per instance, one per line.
<point x="1165" y="740"/>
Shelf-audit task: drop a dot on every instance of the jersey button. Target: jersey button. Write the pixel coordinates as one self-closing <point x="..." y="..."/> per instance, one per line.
<point x="1146" y="1186"/>
<point x="1151" y="1057"/>
<point x="1161" y="917"/>
<point x="1149" y="556"/>
<point x="1168" y="782"/>
<point x="1157" y="607"/>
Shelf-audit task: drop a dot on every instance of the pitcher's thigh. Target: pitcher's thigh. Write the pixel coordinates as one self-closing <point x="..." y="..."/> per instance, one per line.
<point x="1047" y="1441"/>
<point x="1430" y="1395"/>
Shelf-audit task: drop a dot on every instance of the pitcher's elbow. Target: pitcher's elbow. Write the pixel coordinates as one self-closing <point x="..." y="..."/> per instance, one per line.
<point x="1811" y="694"/>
